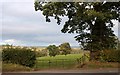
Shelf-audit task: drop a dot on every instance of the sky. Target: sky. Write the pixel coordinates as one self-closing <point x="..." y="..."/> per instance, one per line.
<point x="22" y="25"/>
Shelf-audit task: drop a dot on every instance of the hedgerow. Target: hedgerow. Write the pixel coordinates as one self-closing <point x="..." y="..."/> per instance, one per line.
<point x="23" y="56"/>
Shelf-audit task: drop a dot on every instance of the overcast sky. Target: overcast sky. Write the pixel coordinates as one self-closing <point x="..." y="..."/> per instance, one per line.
<point x="22" y="25"/>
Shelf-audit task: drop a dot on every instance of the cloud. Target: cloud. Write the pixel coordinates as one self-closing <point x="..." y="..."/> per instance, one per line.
<point x="12" y="41"/>
<point x="21" y="18"/>
<point x="56" y="38"/>
<point x="30" y="26"/>
<point x="22" y="25"/>
<point x="27" y="28"/>
<point x="20" y="12"/>
<point x="17" y="0"/>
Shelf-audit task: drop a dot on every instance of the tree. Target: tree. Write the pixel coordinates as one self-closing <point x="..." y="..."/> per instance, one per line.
<point x="65" y="48"/>
<point x="53" y="50"/>
<point x="42" y="53"/>
<point x="92" y="22"/>
<point x="118" y="44"/>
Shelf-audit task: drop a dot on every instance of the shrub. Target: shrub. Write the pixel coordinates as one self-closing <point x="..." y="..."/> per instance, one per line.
<point x="17" y="55"/>
<point x="110" y="55"/>
<point x="83" y="60"/>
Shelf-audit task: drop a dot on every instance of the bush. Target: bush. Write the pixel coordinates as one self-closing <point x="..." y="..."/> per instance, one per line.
<point x="110" y="55"/>
<point x="17" y="55"/>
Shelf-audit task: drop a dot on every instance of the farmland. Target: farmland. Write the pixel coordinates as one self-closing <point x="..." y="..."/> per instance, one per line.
<point x="69" y="56"/>
<point x="59" y="61"/>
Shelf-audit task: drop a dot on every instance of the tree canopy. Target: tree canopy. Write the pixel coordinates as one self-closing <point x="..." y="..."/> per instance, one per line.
<point x="91" y="21"/>
<point x="53" y="50"/>
<point x="65" y="48"/>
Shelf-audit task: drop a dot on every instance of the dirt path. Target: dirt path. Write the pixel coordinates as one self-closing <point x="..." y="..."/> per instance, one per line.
<point x="113" y="71"/>
<point x="107" y="70"/>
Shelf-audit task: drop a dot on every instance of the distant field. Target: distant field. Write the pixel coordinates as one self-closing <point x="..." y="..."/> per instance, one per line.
<point x="59" y="61"/>
<point x="69" y="56"/>
<point x="74" y="49"/>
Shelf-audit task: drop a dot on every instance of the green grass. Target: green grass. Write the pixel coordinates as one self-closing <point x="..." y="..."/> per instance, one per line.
<point x="59" y="61"/>
<point x="69" y="56"/>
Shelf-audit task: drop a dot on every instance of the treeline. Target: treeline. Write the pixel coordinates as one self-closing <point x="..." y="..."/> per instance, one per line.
<point x="53" y="50"/>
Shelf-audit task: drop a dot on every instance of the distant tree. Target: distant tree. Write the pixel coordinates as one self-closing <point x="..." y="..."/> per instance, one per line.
<point x="53" y="50"/>
<point x="34" y="48"/>
<point x="41" y="53"/>
<point x="65" y="48"/>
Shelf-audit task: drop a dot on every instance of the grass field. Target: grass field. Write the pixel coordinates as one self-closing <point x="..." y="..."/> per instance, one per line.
<point x="59" y="61"/>
<point x="69" y="56"/>
<point x="7" y="67"/>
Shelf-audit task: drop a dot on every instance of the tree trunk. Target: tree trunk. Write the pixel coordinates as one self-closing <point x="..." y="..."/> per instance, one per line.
<point x="94" y="55"/>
